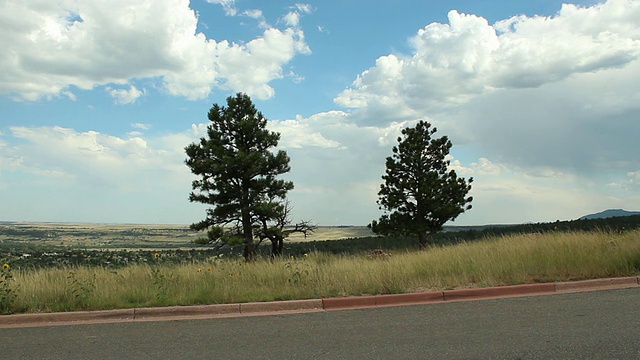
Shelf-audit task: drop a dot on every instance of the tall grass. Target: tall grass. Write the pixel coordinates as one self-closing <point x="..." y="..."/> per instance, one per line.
<point x="506" y="260"/>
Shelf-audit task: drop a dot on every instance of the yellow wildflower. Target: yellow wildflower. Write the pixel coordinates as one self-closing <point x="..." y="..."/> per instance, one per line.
<point x="6" y="266"/>
<point x="156" y="255"/>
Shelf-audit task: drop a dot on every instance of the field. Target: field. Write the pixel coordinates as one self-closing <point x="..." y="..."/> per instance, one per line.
<point x="133" y="236"/>
<point x="178" y="277"/>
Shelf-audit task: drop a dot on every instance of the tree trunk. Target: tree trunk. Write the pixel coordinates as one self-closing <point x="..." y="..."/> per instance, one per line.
<point x="247" y="227"/>
<point x="422" y="240"/>
<point x="276" y="247"/>
<point x="280" y="245"/>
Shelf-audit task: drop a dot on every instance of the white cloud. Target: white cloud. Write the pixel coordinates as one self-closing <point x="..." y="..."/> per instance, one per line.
<point x="265" y="56"/>
<point x="124" y="96"/>
<point x="542" y="97"/>
<point x="254" y="14"/>
<point x="485" y="166"/>
<point x="141" y="126"/>
<point x="91" y="157"/>
<point x="633" y="178"/>
<point x="303" y="8"/>
<point x="548" y="106"/>
<point x="455" y="62"/>
<point x="86" y="44"/>
<point x="60" y="174"/>
<point x="297" y="134"/>
<point x="292" y="19"/>
<point x="229" y="6"/>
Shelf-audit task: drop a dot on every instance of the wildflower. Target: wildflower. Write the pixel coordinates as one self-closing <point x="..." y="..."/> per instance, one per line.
<point x="306" y="255"/>
<point x="199" y="270"/>
<point x="156" y="255"/>
<point x="6" y="266"/>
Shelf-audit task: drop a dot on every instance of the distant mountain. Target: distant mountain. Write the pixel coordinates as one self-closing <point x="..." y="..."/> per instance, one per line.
<point x="610" y="213"/>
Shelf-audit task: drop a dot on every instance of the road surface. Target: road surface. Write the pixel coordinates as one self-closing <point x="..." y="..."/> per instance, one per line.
<point x="587" y="325"/>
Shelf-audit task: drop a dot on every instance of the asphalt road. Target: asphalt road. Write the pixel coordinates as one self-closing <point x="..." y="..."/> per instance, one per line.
<point x="588" y="325"/>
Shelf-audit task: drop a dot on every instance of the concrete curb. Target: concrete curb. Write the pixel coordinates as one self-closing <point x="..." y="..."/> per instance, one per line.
<point x="186" y="311"/>
<point x="499" y="291"/>
<point x="66" y="317"/>
<point x="278" y="306"/>
<point x="597" y="284"/>
<point x="311" y="305"/>
<point x="382" y="300"/>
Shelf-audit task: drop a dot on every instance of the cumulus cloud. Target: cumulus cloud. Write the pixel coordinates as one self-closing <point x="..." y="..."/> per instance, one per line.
<point x="297" y="134"/>
<point x="52" y="49"/>
<point x="553" y="96"/>
<point x="455" y="62"/>
<point x="584" y="124"/>
<point x="90" y="157"/>
<point x="548" y="104"/>
<point x="124" y="96"/>
<point x="292" y="19"/>
<point x="274" y="48"/>
<point x="51" y="173"/>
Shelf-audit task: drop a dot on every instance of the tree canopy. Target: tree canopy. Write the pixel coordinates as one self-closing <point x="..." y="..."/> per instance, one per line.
<point x="420" y="192"/>
<point x="238" y="173"/>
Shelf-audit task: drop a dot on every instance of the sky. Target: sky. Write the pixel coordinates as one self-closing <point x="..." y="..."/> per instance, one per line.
<point x="98" y="99"/>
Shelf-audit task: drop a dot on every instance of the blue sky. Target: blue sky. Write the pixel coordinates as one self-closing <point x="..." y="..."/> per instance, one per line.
<point x="99" y="98"/>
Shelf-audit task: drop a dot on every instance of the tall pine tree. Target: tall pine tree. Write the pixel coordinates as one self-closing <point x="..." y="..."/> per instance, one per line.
<point x="420" y="193"/>
<point x="237" y="172"/>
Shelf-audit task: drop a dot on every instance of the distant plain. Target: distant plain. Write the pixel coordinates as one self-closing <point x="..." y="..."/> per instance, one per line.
<point x="142" y="236"/>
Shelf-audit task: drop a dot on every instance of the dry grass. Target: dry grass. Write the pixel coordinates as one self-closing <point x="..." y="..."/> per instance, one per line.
<point x="498" y="261"/>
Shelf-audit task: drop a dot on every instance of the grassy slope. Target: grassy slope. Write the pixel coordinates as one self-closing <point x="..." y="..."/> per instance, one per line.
<point x="511" y="259"/>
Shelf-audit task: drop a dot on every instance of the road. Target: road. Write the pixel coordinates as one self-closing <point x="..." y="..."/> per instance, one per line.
<point x="587" y="325"/>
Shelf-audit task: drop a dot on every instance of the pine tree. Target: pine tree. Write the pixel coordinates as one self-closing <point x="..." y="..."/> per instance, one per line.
<point x="237" y="172"/>
<point x="420" y="193"/>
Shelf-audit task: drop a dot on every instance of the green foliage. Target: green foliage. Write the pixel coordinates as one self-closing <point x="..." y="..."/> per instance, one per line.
<point x="81" y="289"/>
<point x="160" y="283"/>
<point x="299" y="270"/>
<point x="420" y="193"/>
<point x="237" y="172"/>
<point x="7" y="289"/>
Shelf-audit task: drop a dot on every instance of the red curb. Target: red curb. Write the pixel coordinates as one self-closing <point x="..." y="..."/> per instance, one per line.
<point x="412" y="298"/>
<point x="499" y="291"/>
<point x="289" y="305"/>
<point x="63" y="317"/>
<point x="596" y="284"/>
<point x="198" y="310"/>
<point x="257" y="308"/>
<point x="348" y="302"/>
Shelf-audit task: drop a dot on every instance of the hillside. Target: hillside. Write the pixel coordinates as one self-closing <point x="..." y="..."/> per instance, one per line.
<point x="610" y="213"/>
